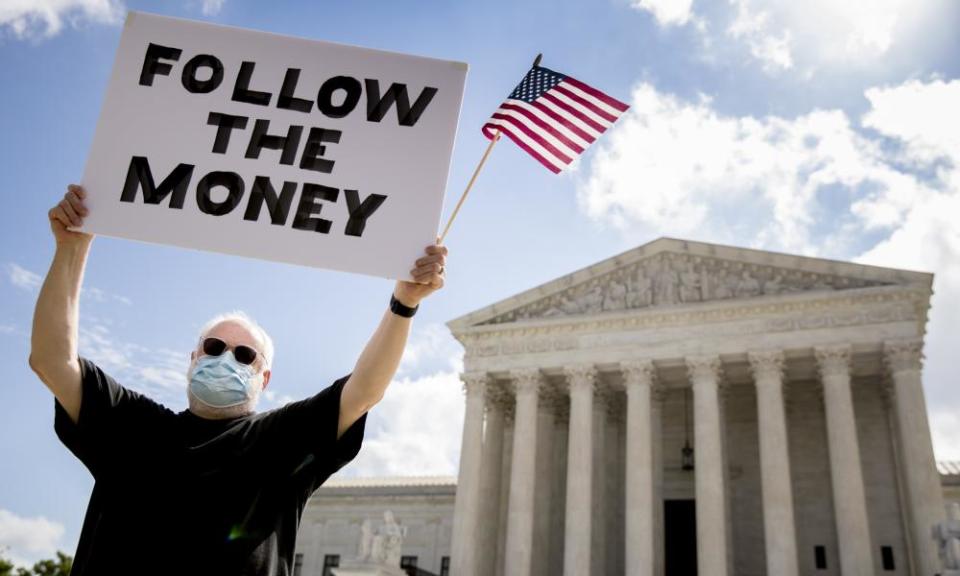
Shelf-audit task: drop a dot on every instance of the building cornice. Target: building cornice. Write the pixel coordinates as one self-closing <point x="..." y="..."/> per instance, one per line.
<point x="785" y="312"/>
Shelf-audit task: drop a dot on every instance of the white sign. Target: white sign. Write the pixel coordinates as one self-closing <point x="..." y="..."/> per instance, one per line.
<point x="273" y="147"/>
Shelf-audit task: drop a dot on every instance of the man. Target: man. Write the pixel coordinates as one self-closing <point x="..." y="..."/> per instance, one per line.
<point x="216" y="488"/>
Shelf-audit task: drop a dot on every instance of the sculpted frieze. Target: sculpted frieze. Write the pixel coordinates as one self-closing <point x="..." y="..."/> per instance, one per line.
<point x="747" y="318"/>
<point x="673" y="278"/>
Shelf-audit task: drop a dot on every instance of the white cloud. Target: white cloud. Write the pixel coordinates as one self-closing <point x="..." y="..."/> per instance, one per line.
<point x="417" y="426"/>
<point x="752" y="27"/>
<point x="212" y="7"/>
<point x="94" y="294"/>
<point x="8" y="329"/>
<point x="667" y="12"/>
<point x="23" y="278"/>
<point x="807" y="36"/>
<point x="923" y="116"/>
<point x="415" y="430"/>
<point x="429" y="349"/>
<point x="823" y="33"/>
<point x="274" y="400"/>
<point x="946" y="433"/>
<point x="679" y="168"/>
<point x="884" y="192"/>
<point x="25" y="540"/>
<point x="30" y="281"/>
<point x="46" y="18"/>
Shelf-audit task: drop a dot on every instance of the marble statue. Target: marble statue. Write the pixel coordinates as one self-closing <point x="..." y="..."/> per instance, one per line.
<point x="948" y="536"/>
<point x="384" y="546"/>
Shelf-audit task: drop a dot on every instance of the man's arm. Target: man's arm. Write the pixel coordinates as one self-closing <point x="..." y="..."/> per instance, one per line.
<point x="53" y="354"/>
<point x="381" y="356"/>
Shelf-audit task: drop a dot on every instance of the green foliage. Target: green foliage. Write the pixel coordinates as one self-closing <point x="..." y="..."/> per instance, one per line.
<point x="59" y="566"/>
<point x="6" y="568"/>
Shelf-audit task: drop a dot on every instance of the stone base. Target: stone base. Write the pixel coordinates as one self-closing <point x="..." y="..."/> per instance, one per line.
<point x="354" y="568"/>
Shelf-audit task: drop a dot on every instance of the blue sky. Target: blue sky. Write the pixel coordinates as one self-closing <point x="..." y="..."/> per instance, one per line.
<point x="829" y="130"/>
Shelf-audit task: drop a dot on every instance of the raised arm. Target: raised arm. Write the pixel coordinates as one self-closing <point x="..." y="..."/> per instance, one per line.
<point x="381" y="356"/>
<point x="53" y="354"/>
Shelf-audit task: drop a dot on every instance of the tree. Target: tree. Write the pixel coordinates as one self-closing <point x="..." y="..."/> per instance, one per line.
<point x="59" y="566"/>
<point x="6" y="568"/>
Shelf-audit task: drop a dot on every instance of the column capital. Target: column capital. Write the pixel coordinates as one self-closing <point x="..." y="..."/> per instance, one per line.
<point x="703" y="368"/>
<point x="637" y="373"/>
<point x="901" y="355"/>
<point x="833" y="360"/>
<point x="496" y="398"/>
<point x="766" y="365"/>
<point x="580" y="376"/>
<point x="526" y="380"/>
<point x="475" y="382"/>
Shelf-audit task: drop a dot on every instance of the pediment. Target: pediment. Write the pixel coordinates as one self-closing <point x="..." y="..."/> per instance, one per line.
<point x="668" y="272"/>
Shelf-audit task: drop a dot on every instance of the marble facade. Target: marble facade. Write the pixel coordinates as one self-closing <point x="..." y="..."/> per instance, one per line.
<point x="796" y="382"/>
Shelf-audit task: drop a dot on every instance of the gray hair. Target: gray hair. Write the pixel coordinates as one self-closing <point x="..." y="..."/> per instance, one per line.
<point x="242" y="318"/>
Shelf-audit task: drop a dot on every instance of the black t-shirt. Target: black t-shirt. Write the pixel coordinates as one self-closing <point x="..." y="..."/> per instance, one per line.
<point x="176" y="494"/>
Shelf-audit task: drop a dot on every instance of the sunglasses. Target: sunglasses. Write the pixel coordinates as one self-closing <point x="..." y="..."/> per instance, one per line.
<point x="213" y="346"/>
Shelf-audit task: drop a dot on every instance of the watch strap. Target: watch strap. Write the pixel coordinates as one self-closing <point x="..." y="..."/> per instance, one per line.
<point x="400" y="309"/>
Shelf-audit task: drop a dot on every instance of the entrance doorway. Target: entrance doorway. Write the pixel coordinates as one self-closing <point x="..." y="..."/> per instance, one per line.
<point x="680" y="537"/>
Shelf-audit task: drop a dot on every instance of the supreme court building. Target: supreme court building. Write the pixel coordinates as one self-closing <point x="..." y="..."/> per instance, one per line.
<point x="680" y="408"/>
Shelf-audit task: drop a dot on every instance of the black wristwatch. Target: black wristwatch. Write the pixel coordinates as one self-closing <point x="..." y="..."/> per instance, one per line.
<point x="400" y="309"/>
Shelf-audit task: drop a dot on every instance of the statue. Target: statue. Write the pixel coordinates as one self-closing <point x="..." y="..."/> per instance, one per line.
<point x="667" y="281"/>
<point x="593" y="300"/>
<point x="366" y="539"/>
<point x="948" y="538"/>
<point x="726" y="285"/>
<point x="640" y="294"/>
<point x="385" y="546"/>
<point x="774" y="285"/>
<point x="615" y="297"/>
<point x="690" y="285"/>
<point x="748" y="286"/>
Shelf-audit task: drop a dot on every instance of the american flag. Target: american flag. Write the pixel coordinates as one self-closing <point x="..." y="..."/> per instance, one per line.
<point x="554" y="117"/>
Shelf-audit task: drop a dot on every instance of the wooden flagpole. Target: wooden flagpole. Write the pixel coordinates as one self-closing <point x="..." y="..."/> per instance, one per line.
<point x="536" y="62"/>
<point x="469" y="185"/>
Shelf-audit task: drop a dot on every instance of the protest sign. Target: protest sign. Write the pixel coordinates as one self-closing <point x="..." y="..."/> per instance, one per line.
<point x="273" y="147"/>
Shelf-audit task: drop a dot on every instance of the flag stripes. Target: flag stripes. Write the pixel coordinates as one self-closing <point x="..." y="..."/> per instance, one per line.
<point x="554" y="117"/>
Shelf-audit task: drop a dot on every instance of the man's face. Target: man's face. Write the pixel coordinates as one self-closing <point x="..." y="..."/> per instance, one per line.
<point x="234" y="334"/>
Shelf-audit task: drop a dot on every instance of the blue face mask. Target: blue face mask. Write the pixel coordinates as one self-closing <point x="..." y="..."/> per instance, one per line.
<point x="221" y="381"/>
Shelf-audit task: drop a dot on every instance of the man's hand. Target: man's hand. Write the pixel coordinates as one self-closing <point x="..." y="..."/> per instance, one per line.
<point x="428" y="274"/>
<point x="69" y="212"/>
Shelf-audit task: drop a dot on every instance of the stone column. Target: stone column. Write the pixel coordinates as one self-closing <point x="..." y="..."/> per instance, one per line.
<point x="638" y="378"/>
<point x="656" y="426"/>
<point x="526" y="384"/>
<point x="924" y="492"/>
<point x="544" y="548"/>
<point x="576" y="549"/>
<point x="779" y="528"/>
<point x="849" y="497"/>
<point x="466" y="506"/>
<point x="709" y="476"/>
<point x="490" y="484"/>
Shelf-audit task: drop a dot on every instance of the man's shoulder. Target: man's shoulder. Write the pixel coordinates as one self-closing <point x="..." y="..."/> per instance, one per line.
<point x="96" y="381"/>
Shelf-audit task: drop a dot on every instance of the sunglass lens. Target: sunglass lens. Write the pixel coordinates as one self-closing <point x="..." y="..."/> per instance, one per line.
<point x="214" y="346"/>
<point x="244" y="354"/>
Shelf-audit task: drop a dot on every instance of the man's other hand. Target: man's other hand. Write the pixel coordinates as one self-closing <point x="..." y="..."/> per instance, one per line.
<point x="428" y="274"/>
<point x="69" y="212"/>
